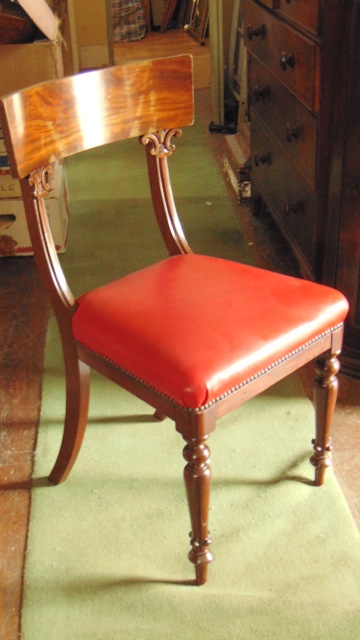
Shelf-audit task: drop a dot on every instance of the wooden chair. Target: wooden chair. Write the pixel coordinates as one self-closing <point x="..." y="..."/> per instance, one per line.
<point x="216" y="332"/>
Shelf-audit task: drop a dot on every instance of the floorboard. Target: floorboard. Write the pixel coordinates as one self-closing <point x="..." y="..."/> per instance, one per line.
<point x="24" y="317"/>
<point x="172" y="42"/>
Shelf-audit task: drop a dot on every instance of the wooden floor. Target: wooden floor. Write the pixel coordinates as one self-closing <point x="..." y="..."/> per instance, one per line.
<point x="24" y="316"/>
<point x="172" y="42"/>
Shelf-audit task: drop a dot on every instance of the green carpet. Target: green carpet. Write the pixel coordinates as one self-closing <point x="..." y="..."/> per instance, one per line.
<point x="107" y="550"/>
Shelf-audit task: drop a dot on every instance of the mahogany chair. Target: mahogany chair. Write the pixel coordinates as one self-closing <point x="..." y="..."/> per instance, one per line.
<point x="217" y="332"/>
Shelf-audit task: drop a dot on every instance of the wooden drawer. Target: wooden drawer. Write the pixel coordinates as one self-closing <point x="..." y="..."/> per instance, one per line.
<point x="292" y="57"/>
<point x="287" y="119"/>
<point x="272" y="4"/>
<point x="303" y="13"/>
<point x="290" y="199"/>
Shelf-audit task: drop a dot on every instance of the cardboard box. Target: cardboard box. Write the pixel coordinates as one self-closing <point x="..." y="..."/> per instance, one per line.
<point x="22" y="65"/>
<point x="9" y="186"/>
<point x="14" y="233"/>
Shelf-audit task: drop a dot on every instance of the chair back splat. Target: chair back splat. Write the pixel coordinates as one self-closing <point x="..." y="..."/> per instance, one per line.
<point x="217" y="332"/>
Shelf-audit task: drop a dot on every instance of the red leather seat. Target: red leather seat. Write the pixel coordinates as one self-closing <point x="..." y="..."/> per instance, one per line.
<point x="196" y="327"/>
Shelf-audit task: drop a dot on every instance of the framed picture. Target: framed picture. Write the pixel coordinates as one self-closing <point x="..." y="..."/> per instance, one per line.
<point x="197" y="19"/>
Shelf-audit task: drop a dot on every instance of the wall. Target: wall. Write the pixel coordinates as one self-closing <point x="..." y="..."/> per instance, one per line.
<point x="91" y="25"/>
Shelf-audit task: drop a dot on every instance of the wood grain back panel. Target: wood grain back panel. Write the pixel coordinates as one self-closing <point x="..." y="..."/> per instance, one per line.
<point x="59" y="118"/>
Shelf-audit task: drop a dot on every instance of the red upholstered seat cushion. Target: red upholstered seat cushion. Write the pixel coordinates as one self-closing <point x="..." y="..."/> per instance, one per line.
<point x="194" y="326"/>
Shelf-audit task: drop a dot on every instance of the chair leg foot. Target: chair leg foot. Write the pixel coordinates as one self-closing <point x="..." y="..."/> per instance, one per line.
<point x="197" y="475"/>
<point x="201" y="574"/>
<point x="158" y="416"/>
<point x="320" y="470"/>
<point x="325" y="394"/>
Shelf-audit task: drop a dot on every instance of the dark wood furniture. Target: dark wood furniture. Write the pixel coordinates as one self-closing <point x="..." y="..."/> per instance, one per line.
<point x="342" y="240"/>
<point x="216" y="333"/>
<point x="303" y="97"/>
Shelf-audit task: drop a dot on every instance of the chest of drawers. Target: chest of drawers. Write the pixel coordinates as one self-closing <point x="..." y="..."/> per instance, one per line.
<point x="303" y="61"/>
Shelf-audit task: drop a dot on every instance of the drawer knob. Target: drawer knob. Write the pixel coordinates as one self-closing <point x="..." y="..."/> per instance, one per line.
<point x="292" y="132"/>
<point x="262" y="158"/>
<point x="256" y="32"/>
<point x="291" y="207"/>
<point x="287" y="60"/>
<point x="261" y="93"/>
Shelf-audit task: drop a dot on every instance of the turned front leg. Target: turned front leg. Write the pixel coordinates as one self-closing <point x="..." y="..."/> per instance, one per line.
<point x="325" y="394"/>
<point x="197" y="476"/>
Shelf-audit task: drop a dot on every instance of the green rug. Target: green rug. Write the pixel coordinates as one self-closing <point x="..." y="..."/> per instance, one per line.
<point x="107" y="550"/>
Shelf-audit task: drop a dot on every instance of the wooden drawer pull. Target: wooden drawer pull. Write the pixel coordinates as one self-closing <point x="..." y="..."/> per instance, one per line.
<point x="292" y="132"/>
<point x="291" y="207"/>
<point x="256" y="32"/>
<point x="261" y="93"/>
<point x="263" y="158"/>
<point x="287" y="60"/>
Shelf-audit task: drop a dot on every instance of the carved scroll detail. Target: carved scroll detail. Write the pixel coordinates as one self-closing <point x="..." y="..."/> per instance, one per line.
<point x="39" y="180"/>
<point x="160" y="141"/>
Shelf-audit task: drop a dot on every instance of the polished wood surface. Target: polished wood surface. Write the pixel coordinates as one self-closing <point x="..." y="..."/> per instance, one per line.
<point x="294" y="185"/>
<point x="286" y="118"/>
<point x="194" y="423"/>
<point x="325" y="396"/>
<point x="288" y="195"/>
<point x="312" y="179"/>
<point x="305" y="15"/>
<point x="76" y="104"/>
<point x="291" y="56"/>
<point x="197" y="475"/>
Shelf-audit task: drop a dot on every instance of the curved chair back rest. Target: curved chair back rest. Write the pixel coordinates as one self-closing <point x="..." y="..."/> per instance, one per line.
<point x="53" y="120"/>
<point x="56" y="119"/>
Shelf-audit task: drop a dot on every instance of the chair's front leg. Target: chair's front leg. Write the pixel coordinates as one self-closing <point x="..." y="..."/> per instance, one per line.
<point x="197" y="476"/>
<point x="325" y="394"/>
